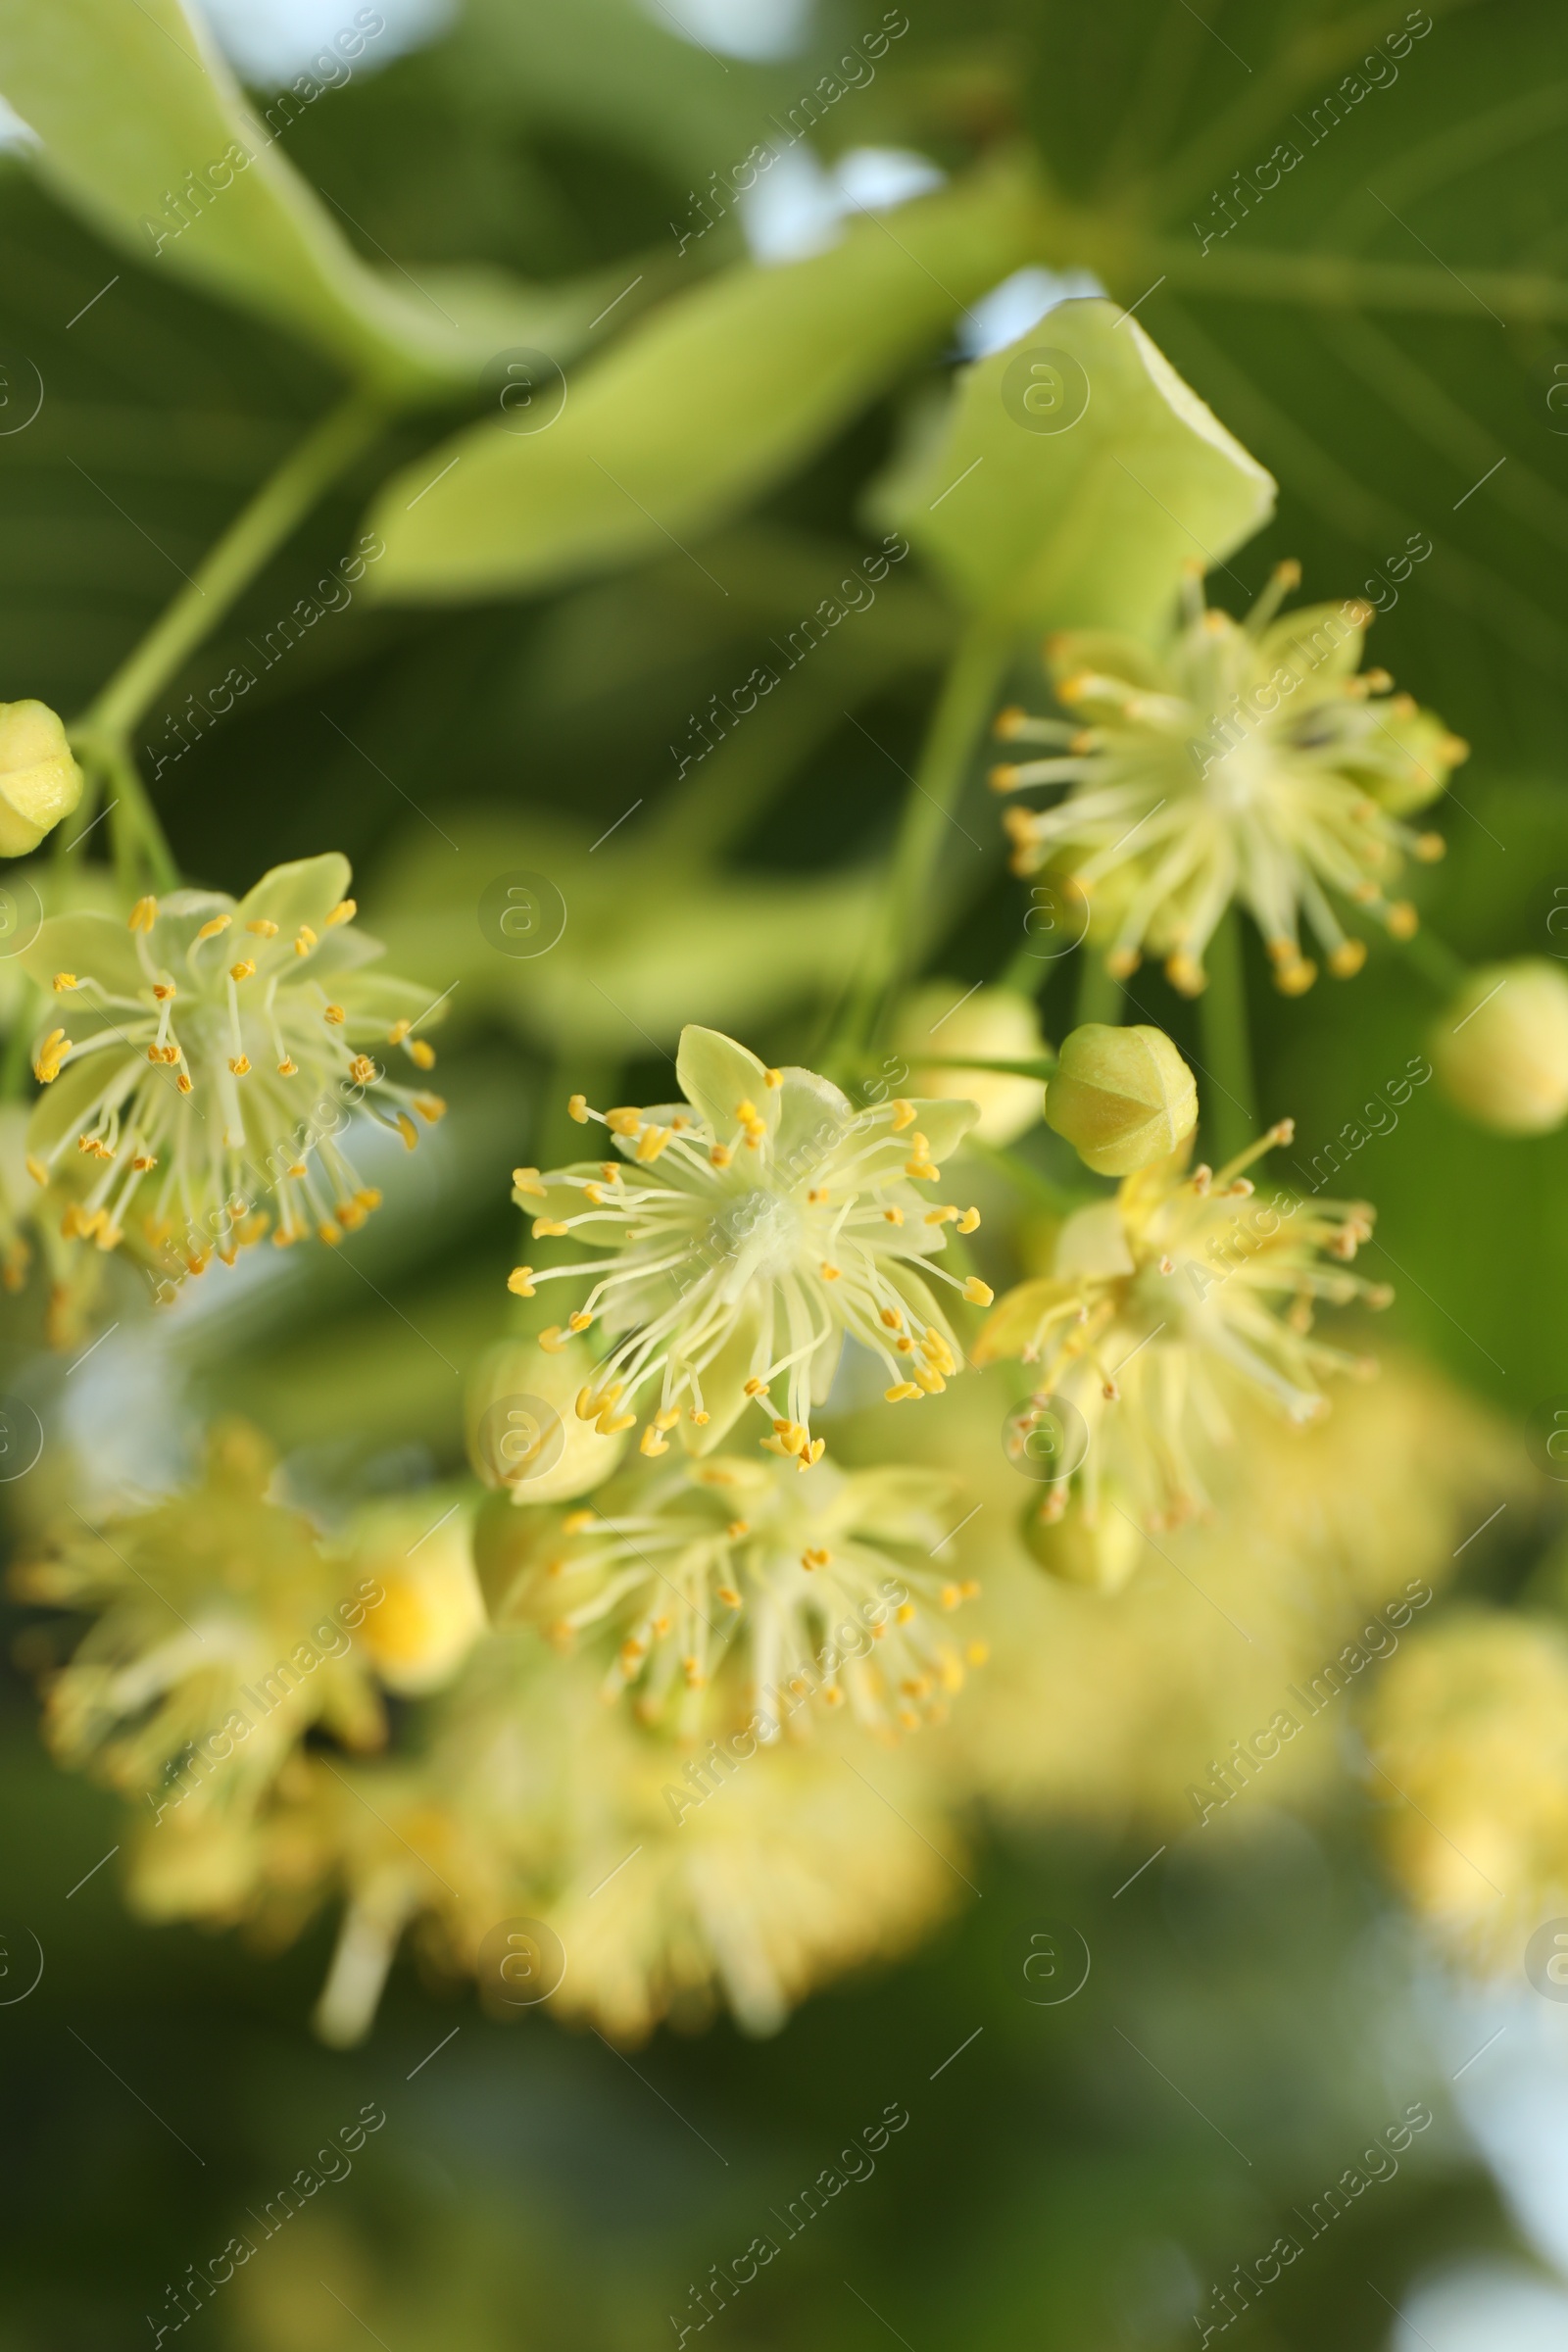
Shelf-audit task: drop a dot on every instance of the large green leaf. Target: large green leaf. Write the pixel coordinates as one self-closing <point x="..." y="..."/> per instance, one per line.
<point x="145" y="132"/>
<point x="704" y="406"/>
<point x="1074" y="475"/>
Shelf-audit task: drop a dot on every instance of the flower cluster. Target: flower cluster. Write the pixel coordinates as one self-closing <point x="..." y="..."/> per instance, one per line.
<point x="825" y="1590"/>
<point x="221" y="1633"/>
<point x="1244" y="760"/>
<point x="216" y="1050"/>
<point x="751" y="1228"/>
<point x="1157" y="1303"/>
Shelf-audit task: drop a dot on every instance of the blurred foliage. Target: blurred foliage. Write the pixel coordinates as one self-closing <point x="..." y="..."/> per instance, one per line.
<point x="1383" y="329"/>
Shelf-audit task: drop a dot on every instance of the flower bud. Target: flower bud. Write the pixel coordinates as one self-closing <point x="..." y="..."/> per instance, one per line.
<point x="1099" y="1550"/>
<point x="431" y="1611"/>
<point x="1122" y="1097"/>
<point x="525" y="1433"/>
<point x="1501" y="1047"/>
<point x="39" y="780"/>
<point x="991" y="1022"/>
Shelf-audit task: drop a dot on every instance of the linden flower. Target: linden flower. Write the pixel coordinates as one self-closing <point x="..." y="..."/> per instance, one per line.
<point x="1158" y="1301"/>
<point x="217" y="1050"/>
<point x="1471" y="1726"/>
<point x="826" y="1591"/>
<point x="749" y="1229"/>
<point x="222" y="1630"/>
<point x="1247" y="760"/>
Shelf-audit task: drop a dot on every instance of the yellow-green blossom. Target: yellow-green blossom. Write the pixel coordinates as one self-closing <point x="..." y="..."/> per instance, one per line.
<point x="825" y="1592"/>
<point x="748" y="1230"/>
<point x="1160" y="1302"/>
<point x="1242" y="761"/>
<point x="222" y="1629"/>
<point x="39" y="780"/>
<point x="211" y="1051"/>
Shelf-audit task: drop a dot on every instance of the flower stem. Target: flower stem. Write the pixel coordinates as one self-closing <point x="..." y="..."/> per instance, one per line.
<point x="962" y="711"/>
<point x="1099" y="997"/>
<point x="1434" y="960"/>
<point x="1230" y="1105"/>
<point x="227" y="570"/>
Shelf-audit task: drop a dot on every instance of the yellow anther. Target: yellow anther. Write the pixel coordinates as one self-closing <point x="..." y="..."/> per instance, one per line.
<point x="720" y="1155"/>
<point x="624" y="1121"/>
<point x="51" y="1054"/>
<point x="163" y="991"/>
<point x="745" y="1110"/>
<point x="244" y="969"/>
<point x="577" y="1109"/>
<point x="333" y="1013"/>
<point x="141" y="1161"/>
<point x="263" y="928"/>
<point x="361" y="1070"/>
<point x="1402" y="920"/>
<point x="738" y="1528"/>
<point x="652" y="1142"/>
<point x="553" y="1340"/>
<point x="755" y="1387"/>
<point x="186" y="1084"/>
<point x="698" y="1418"/>
<point x="904" y="1388"/>
<point x="904" y="1613"/>
<point x="893" y="1318"/>
<point x="37" y="1169"/>
<point x="728" y="1596"/>
<point x="240" y="1064"/>
<point x="819" y="1193"/>
<point x="810" y="1456"/>
<point x="407" y="1130"/>
<point x="950" y="1596"/>
<point x="829" y="1273"/>
<point x="650" y="1443"/>
<point x="942" y="1216"/>
<point x="142" y="915"/>
<point x="668" y="1418"/>
<point x="343" y="913"/>
<point x="63" y="981"/>
<point x="903" y="1115"/>
<point x="288" y="1068"/>
<point x="430" y="1107"/>
<point x="578" y="1320"/>
<point x="894" y="1216"/>
<point x="420" y="1054"/>
<point x="304" y="939"/>
<point x="549" y="1229"/>
<point x="520" y="1282"/>
<point x="329" y="1232"/>
<point x="814" y="1557"/>
<point x="969" y="1221"/>
<point x="926" y="1170"/>
<point x="978" y="1292"/>
<point x="611" y="1428"/>
<point x="212" y="930"/>
<point x="774" y="1078"/>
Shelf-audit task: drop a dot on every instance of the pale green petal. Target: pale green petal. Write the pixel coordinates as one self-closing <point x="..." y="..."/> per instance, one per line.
<point x="716" y="1074"/>
<point x="304" y="891"/>
<point x="94" y="944"/>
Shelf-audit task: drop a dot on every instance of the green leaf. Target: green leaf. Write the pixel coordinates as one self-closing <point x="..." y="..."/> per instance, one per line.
<point x="701" y="407"/>
<point x="1075" y="473"/>
<point x="146" y="134"/>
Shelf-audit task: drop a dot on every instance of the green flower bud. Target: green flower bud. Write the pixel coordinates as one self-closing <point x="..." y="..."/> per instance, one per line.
<point x="39" y="780"/>
<point x="526" y="1436"/>
<point x="1099" y="1550"/>
<point x="1501" y="1047"/>
<point x="1122" y="1097"/>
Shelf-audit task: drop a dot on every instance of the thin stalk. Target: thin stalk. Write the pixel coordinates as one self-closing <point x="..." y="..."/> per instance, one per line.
<point x="1434" y="960"/>
<point x="1045" y="1068"/>
<point x="1230" y="1111"/>
<point x="1100" y="995"/>
<point x="962" y="710"/>
<point x="227" y="570"/>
